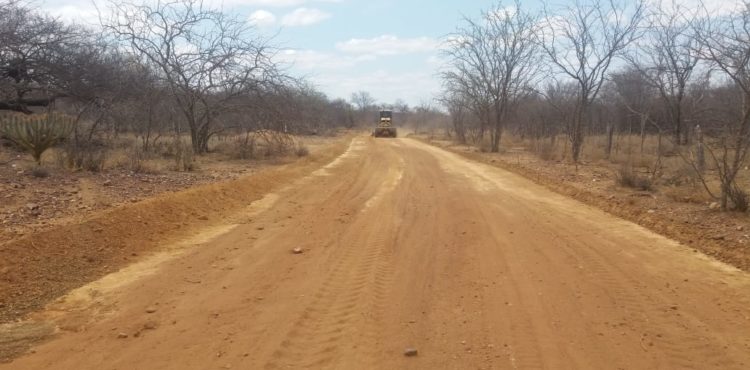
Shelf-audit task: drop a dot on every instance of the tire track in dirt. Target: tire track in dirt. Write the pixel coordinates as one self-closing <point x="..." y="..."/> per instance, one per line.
<point x="353" y="287"/>
<point x="652" y="314"/>
<point x="344" y="316"/>
<point x="406" y="246"/>
<point x="643" y="315"/>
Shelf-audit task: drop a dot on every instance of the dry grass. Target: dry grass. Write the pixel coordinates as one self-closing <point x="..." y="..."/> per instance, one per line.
<point x="166" y="154"/>
<point x="652" y="164"/>
<point x="630" y="179"/>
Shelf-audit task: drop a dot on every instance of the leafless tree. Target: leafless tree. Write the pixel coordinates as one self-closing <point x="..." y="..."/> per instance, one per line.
<point x="478" y="101"/>
<point x="581" y="41"/>
<point x="493" y="60"/>
<point x="668" y="59"/>
<point x="37" y="56"/>
<point x="205" y="57"/>
<point x="725" y="43"/>
<point x="637" y="95"/>
<point x="400" y="106"/>
<point x="458" y="107"/>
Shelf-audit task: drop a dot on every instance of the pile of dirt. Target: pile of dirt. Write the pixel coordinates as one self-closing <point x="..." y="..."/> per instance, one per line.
<point x="30" y="204"/>
<point x="722" y="235"/>
<point x="39" y="267"/>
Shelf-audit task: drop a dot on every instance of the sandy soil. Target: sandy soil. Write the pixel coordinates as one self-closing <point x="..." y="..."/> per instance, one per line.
<point x="722" y="235"/>
<point x="29" y="204"/>
<point x="405" y="245"/>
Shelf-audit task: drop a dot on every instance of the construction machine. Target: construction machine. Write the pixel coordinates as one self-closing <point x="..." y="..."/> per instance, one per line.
<point x="385" y="125"/>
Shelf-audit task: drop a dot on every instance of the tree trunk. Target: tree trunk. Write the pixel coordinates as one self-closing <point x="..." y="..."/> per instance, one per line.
<point x="610" y="133"/>
<point x="699" y="152"/>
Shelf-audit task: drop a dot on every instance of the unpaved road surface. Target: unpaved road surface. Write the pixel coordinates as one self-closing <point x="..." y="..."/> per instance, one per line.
<point x="406" y="245"/>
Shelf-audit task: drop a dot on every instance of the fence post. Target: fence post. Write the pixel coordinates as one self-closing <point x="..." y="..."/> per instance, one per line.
<point x="699" y="154"/>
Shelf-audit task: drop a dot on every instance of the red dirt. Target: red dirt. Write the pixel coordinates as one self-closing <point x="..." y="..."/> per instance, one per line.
<point x="42" y="265"/>
<point x="723" y="235"/>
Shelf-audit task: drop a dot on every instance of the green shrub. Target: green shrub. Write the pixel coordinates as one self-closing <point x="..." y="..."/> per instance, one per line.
<point x="37" y="132"/>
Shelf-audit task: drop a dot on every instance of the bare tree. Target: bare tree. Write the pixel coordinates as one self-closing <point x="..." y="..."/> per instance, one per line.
<point x="205" y="57"/>
<point x="581" y="42"/>
<point x="668" y="60"/>
<point x="422" y="114"/>
<point x="478" y="101"/>
<point x="37" y="55"/>
<point x="401" y="106"/>
<point x="493" y="60"/>
<point x="363" y="100"/>
<point x="636" y="94"/>
<point x="725" y="43"/>
<point x="457" y="106"/>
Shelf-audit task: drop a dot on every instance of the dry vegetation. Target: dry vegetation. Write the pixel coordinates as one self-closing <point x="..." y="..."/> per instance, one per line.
<point x="671" y="108"/>
<point x="36" y="197"/>
<point x="96" y="116"/>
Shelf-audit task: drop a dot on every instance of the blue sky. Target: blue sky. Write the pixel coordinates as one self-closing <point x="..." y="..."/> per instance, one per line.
<point x="388" y="47"/>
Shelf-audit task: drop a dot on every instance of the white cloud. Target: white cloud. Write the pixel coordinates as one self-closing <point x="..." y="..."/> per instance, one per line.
<point x="304" y="17"/>
<point x="716" y="7"/>
<point x="262" y="18"/>
<point x="76" y="11"/>
<point x="274" y="3"/>
<point x="312" y="60"/>
<point x="388" y="45"/>
<point x="386" y="87"/>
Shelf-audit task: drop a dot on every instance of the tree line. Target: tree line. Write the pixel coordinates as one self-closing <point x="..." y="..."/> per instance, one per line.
<point x="156" y="69"/>
<point x="602" y="67"/>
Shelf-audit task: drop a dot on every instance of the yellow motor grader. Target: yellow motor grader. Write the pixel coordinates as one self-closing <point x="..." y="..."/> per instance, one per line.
<point x="385" y="125"/>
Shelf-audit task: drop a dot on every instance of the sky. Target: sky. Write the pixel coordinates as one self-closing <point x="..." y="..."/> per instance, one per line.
<point x="388" y="48"/>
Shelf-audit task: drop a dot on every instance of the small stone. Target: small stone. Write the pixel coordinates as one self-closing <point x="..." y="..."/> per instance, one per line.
<point x="150" y="309"/>
<point x="740" y="228"/>
<point x="410" y="352"/>
<point x="297" y="250"/>
<point x="714" y="206"/>
<point x="107" y="182"/>
<point x="150" y="325"/>
<point x="122" y="335"/>
<point x="203" y="218"/>
<point x="651" y="211"/>
<point x="32" y="206"/>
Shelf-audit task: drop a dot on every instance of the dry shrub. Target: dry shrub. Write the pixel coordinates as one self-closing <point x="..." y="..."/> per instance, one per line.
<point x="593" y="153"/>
<point x="740" y="199"/>
<point x="137" y="162"/>
<point x="184" y="157"/>
<point x="277" y="147"/>
<point x="241" y="148"/>
<point x="628" y="178"/>
<point x="301" y="150"/>
<point x="545" y="151"/>
<point x="687" y="193"/>
<point x="39" y="172"/>
<point x="83" y="155"/>
<point x="681" y="174"/>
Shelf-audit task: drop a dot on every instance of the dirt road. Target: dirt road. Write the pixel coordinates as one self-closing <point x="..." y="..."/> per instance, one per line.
<point x="406" y="245"/>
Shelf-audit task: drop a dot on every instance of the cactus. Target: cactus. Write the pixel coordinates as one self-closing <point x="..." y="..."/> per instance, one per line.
<point x="38" y="132"/>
